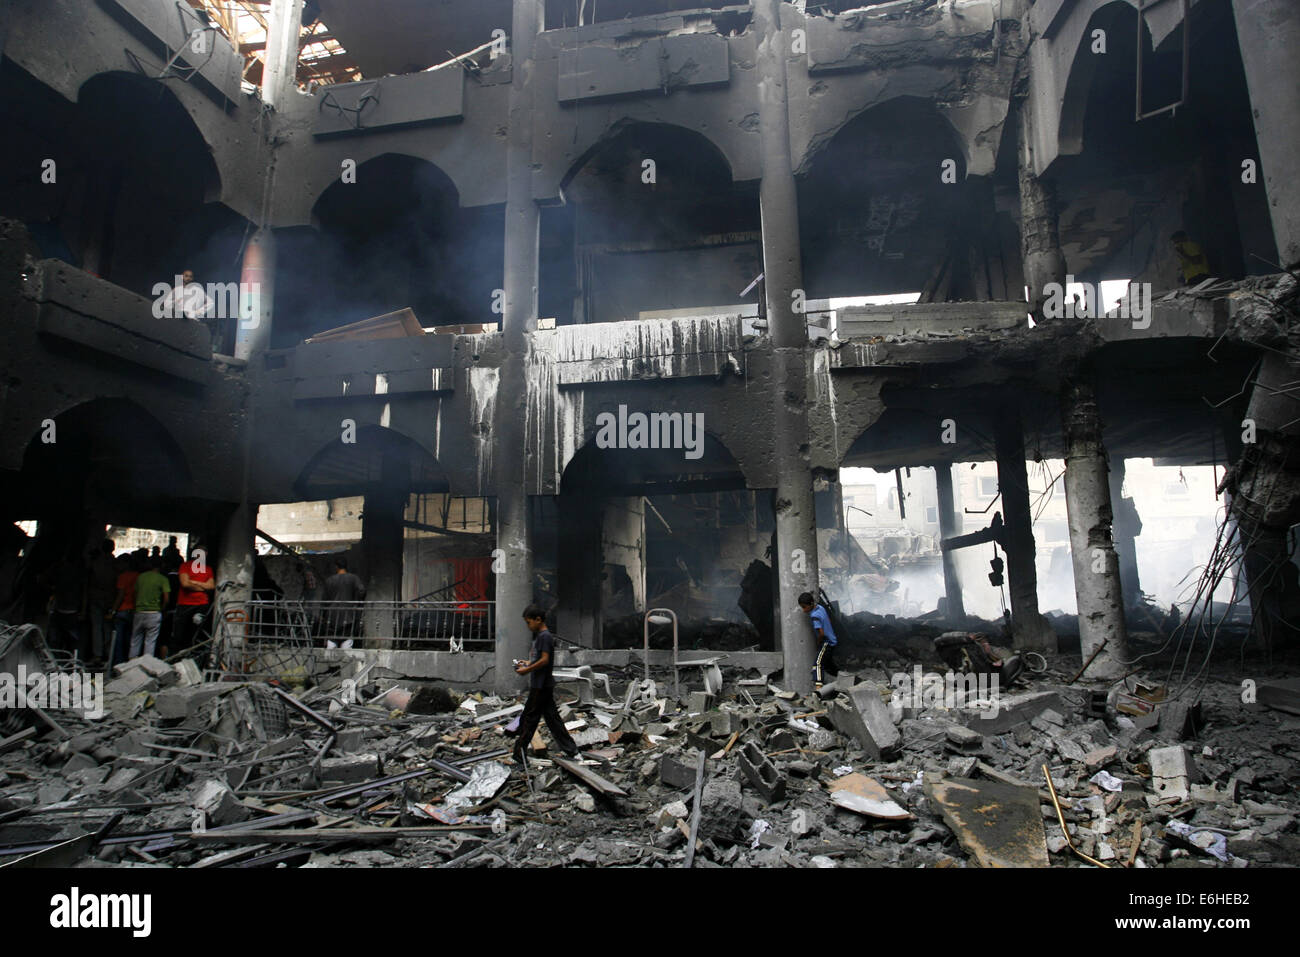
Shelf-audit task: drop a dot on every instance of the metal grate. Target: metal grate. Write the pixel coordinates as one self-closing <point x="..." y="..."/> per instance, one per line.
<point x="395" y="625"/>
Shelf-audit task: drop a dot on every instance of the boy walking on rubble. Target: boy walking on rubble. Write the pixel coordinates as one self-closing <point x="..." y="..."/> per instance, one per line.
<point x="825" y="635"/>
<point x="541" y="689"/>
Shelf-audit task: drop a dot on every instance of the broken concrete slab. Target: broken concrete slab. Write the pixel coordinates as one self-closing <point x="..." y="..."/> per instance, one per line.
<point x="1172" y="773"/>
<point x="156" y="668"/>
<point x="185" y="701"/>
<point x="963" y="738"/>
<point x="1012" y="710"/>
<point x="1280" y="695"/>
<point x="999" y="825"/>
<point x="132" y="681"/>
<point x="218" y="804"/>
<point x="866" y="796"/>
<point x="863" y="715"/>
<point x="678" y="771"/>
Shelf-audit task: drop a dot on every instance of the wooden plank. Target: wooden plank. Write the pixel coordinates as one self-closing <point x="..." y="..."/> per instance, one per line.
<point x="590" y="778"/>
<point x="14" y="740"/>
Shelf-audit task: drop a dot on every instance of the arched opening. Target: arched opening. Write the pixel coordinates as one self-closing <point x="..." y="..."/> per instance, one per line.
<point x="652" y="226"/>
<point x="886" y="208"/>
<point x="131" y="192"/>
<point x="382" y="503"/>
<point x="395" y="238"/>
<point x="635" y="528"/>
<point x="1134" y="183"/>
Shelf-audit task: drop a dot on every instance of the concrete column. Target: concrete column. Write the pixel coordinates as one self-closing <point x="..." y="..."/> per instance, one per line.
<point x="1268" y="32"/>
<point x="279" y="73"/>
<point x="235" y="560"/>
<point x="256" y="296"/>
<point x="1127" y="527"/>
<point x="1265" y="494"/>
<point x="383" y="543"/>
<point x="1096" y="566"/>
<point x="795" y="556"/>
<point x="949" y="527"/>
<point x="522" y="236"/>
<point x="1040" y="237"/>
<point x="1030" y="630"/>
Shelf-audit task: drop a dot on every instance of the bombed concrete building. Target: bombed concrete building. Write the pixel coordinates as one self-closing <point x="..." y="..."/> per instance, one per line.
<point x="596" y="305"/>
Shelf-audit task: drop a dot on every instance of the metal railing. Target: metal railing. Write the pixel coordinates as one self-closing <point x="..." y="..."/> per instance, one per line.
<point x="393" y="625"/>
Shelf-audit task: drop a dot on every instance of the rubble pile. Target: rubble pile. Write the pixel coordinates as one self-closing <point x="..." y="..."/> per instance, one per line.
<point x="362" y="769"/>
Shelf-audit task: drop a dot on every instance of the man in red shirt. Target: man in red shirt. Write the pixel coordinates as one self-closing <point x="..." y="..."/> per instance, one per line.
<point x="193" y="601"/>
<point x="124" y="608"/>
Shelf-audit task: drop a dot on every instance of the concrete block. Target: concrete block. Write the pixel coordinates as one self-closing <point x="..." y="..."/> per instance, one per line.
<point x="864" y="716"/>
<point x="133" y="680"/>
<point x="187" y="673"/>
<point x="349" y="769"/>
<point x="822" y="740"/>
<point x="678" y="771"/>
<point x="218" y="804"/>
<point x="762" y="774"/>
<point x="964" y="739"/>
<point x="154" y="667"/>
<point x="700" y="702"/>
<point x="183" y="701"/>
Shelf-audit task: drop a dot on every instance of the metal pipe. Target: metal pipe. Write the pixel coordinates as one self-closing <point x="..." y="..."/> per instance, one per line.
<point x="1056" y="803"/>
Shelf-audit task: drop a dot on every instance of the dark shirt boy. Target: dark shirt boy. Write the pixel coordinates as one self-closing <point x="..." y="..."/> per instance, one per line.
<point x="541" y="689"/>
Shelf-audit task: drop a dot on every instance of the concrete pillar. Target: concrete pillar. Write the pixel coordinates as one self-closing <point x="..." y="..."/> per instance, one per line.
<point x="949" y="526"/>
<point x="1265" y="494"/>
<point x="235" y="559"/>
<point x="795" y="557"/>
<point x="1096" y="566"/>
<point x="256" y="296"/>
<point x="1030" y="630"/>
<point x="1268" y="32"/>
<point x="522" y="236"/>
<point x="1127" y="527"/>
<point x="383" y="542"/>
<point x="279" y="72"/>
<point x="1040" y="237"/>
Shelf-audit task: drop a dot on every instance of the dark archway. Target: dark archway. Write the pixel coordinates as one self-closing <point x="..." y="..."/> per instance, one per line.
<point x="395" y="238"/>
<point x="875" y="214"/>
<point x="1134" y="183"/>
<point x="652" y="222"/>
<point x="379" y="459"/>
<point x="135" y="187"/>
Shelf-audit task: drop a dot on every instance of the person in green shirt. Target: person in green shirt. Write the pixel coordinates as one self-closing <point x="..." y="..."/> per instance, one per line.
<point x="151" y="591"/>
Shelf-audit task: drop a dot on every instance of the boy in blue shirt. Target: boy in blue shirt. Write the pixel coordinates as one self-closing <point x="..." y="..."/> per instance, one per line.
<point x="825" y="635"/>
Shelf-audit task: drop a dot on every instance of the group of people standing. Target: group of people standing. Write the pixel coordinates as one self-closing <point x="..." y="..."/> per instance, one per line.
<point x="109" y="608"/>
